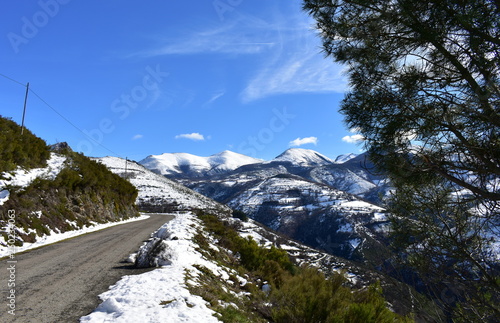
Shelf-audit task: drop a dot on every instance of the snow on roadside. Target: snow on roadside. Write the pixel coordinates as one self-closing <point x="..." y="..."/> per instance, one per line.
<point x="160" y="295"/>
<point x="55" y="237"/>
<point x="22" y="178"/>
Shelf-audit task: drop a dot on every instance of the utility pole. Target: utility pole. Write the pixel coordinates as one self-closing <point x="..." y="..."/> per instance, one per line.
<point x="24" y="110"/>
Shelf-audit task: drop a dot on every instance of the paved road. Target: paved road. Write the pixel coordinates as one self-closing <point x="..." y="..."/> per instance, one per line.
<point x="61" y="282"/>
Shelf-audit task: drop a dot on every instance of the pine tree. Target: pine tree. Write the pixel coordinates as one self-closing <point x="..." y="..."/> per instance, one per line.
<point x="424" y="93"/>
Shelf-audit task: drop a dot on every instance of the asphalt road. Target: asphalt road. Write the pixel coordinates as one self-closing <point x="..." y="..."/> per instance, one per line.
<point x="61" y="282"/>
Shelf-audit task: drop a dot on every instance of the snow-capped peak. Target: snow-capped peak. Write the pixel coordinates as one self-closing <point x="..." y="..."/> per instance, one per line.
<point x="230" y="160"/>
<point x="303" y="157"/>
<point x="178" y="163"/>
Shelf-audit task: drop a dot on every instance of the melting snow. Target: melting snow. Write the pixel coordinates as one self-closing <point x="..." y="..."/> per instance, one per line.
<point x="161" y="295"/>
<point x="22" y="178"/>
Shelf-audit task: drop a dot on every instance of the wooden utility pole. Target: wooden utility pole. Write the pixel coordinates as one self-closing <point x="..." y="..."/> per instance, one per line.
<point x="24" y="110"/>
<point x="126" y="163"/>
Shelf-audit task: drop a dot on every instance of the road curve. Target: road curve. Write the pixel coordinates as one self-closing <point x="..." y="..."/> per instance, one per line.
<point x="61" y="282"/>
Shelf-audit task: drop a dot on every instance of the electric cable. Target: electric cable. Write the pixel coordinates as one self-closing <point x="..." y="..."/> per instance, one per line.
<point x="61" y="115"/>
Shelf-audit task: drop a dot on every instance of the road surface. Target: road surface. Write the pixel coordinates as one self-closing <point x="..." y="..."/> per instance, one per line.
<point x="61" y="282"/>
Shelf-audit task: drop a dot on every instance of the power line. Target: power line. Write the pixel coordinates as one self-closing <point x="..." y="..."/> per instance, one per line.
<point x="59" y="114"/>
<point x="72" y="124"/>
<point x="23" y="85"/>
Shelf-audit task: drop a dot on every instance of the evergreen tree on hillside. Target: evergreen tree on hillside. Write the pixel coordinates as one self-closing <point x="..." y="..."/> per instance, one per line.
<point x="425" y="84"/>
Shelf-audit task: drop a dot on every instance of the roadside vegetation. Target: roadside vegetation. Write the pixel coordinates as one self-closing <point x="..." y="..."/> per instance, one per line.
<point x="275" y="289"/>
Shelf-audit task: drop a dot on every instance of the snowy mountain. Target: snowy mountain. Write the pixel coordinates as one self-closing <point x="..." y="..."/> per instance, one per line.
<point x="308" y="211"/>
<point x="314" y="213"/>
<point x="187" y="165"/>
<point x="158" y="193"/>
<point x="303" y="157"/>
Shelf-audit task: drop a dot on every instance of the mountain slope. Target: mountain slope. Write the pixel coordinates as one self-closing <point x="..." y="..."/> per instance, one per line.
<point x="216" y="268"/>
<point x="315" y="214"/>
<point x="344" y="158"/>
<point x="54" y="191"/>
<point x="157" y="193"/>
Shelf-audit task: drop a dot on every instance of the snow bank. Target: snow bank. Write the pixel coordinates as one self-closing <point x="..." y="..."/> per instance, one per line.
<point x="160" y="295"/>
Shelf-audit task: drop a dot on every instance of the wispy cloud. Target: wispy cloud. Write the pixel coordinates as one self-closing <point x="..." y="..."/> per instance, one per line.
<point x="227" y="39"/>
<point x="354" y="139"/>
<point x="303" y="141"/>
<point x="137" y="137"/>
<point x="214" y="97"/>
<point x="287" y="51"/>
<point x="191" y="136"/>
<point x="301" y="73"/>
<point x="297" y="66"/>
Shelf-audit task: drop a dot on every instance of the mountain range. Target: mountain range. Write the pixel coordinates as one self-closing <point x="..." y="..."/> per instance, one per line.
<point x="329" y="204"/>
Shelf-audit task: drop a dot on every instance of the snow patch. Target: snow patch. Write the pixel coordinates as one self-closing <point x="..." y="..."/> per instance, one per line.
<point x="22" y="177"/>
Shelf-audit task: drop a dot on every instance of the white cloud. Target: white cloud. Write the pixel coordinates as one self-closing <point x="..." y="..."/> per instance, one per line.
<point x="138" y="136"/>
<point x="191" y="136"/>
<point x="303" y="141"/>
<point x="354" y="139"/>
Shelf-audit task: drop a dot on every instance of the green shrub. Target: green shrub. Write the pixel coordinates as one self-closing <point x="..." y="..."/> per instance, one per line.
<point x="27" y="150"/>
<point x="310" y="297"/>
<point x="240" y="215"/>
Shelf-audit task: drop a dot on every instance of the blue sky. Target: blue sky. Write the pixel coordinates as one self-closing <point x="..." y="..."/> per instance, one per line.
<point x="132" y="79"/>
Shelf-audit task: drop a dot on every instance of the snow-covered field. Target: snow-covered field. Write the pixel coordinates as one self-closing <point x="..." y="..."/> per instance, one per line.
<point x="161" y="295"/>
